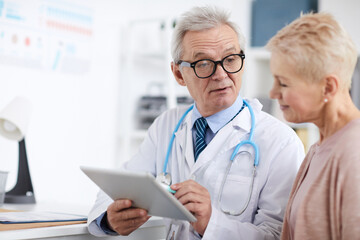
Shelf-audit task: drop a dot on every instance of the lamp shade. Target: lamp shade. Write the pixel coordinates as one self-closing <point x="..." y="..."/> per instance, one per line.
<point x="14" y="119"/>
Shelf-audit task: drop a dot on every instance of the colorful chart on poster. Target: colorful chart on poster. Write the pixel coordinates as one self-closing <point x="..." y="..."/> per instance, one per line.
<point x="46" y="34"/>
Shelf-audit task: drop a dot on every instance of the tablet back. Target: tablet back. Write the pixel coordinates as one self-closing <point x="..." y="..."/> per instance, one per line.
<point x="142" y="189"/>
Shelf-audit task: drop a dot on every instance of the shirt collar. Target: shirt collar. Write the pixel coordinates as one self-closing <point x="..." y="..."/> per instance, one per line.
<point x="219" y="119"/>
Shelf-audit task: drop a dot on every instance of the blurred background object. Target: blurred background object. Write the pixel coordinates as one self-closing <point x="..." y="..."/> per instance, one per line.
<point x="14" y="121"/>
<point x="3" y="178"/>
<point x="355" y="85"/>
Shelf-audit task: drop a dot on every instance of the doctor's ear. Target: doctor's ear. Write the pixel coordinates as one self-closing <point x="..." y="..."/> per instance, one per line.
<point x="331" y="86"/>
<point x="175" y="68"/>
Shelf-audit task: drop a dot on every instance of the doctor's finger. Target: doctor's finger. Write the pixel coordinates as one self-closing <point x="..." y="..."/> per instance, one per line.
<point x="126" y="218"/>
<point x="136" y="222"/>
<point x="119" y="205"/>
<point x="131" y="213"/>
<point x="191" y="188"/>
<point x="194" y="198"/>
<point x="199" y="209"/>
<point x="188" y="184"/>
<point x="128" y="226"/>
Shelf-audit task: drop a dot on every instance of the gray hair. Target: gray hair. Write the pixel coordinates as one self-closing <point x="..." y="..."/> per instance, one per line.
<point x="199" y="19"/>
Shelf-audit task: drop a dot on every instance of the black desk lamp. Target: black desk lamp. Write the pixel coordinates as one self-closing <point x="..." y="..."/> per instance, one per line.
<point x="13" y="125"/>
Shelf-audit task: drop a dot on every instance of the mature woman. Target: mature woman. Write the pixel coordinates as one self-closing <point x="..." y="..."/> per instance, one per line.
<point x="312" y="62"/>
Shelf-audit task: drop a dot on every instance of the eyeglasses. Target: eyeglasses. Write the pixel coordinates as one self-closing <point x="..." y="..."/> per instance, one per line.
<point x="205" y="68"/>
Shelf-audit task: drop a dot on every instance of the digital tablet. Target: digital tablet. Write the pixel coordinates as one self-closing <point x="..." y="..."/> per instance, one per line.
<point x="142" y="188"/>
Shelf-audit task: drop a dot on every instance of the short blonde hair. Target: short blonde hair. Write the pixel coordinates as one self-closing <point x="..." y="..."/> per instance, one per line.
<point x="317" y="45"/>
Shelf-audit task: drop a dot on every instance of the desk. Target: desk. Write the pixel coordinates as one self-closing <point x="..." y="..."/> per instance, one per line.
<point x="153" y="229"/>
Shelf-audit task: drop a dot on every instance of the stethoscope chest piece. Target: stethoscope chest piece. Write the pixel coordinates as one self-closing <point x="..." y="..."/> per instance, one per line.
<point x="164" y="178"/>
<point x="165" y="181"/>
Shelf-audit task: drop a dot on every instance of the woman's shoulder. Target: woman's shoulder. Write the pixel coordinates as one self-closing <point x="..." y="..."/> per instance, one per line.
<point x="349" y="135"/>
<point x="274" y="127"/>
<point x="345" y="146"/>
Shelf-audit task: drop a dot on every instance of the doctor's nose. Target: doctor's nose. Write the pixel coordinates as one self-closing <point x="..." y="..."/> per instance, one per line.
<point x="219" y="73"/>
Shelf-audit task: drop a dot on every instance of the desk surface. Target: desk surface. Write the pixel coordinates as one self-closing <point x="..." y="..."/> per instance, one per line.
<point x="153" y="229"/>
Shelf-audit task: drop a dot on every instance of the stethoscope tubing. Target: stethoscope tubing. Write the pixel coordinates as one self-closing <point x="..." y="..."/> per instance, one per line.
<point x="249" y="141"/>
<point x="173" y="137"/>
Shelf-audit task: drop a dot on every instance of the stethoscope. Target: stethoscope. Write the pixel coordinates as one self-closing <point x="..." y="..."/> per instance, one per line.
<point x="165" y="178"/>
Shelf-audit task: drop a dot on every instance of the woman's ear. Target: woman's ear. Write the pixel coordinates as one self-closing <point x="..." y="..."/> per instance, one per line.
<point x="177" y="74"/>
<point x="331" y="86"/>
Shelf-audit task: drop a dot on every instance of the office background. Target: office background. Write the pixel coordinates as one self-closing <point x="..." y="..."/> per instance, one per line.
<point x="79" y="63"/>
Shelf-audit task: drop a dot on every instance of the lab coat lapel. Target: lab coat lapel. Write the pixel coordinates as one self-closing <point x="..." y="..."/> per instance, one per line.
<point x="184" y="139"/>
<point x="241" y="125"/>
<point x="226" y="139"/>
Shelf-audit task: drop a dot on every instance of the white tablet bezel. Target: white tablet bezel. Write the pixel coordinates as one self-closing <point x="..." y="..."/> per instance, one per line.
<point x="142" y="188"/>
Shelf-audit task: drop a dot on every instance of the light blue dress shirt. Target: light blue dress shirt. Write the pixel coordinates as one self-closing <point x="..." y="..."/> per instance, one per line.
<point x="217" y="120"/>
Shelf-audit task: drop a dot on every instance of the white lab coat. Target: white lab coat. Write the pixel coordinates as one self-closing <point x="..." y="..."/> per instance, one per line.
<point x="280" y="155"/>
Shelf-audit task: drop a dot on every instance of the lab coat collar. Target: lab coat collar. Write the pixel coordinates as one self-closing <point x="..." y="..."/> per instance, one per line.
<point x="243" y="120"/>
<point x="229" y="136"/>
<point x="219" y="119"/>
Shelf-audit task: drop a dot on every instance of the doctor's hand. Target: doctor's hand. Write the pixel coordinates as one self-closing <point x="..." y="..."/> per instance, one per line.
<point x="196" y="199"/>
<point x="124" y="219"/>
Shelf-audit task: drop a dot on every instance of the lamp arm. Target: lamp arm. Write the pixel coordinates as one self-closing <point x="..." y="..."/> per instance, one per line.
<point x="23" y="190"/>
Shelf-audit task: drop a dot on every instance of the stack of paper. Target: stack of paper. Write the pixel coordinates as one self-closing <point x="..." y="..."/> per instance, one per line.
<point x="15" y="220"/>
<point x="35" y="217"/>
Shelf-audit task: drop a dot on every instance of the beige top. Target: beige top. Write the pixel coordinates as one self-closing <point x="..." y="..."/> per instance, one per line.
<point x="325" y="200"/>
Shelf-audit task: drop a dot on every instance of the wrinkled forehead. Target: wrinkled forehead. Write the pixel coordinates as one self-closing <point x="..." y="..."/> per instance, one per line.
<point x="215" y="41"/>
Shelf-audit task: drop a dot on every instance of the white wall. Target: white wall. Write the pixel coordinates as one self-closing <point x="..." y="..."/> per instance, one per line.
<point x="73" y="120"/>
<point x="347" y="13"/>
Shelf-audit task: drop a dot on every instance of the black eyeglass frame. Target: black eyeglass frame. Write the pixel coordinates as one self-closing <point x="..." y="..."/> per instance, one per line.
<point x="221" y="62"/>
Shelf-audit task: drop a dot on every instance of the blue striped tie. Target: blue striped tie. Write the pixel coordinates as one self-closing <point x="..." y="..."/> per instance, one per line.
<point x="201" y="126"/>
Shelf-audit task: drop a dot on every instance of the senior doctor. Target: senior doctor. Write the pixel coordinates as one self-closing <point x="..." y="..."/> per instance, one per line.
<point x="228" y="201"/>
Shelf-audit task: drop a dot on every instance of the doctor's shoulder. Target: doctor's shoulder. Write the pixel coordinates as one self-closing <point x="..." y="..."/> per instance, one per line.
<point x="275" y="129"/>
<point x="169" y="118"/>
